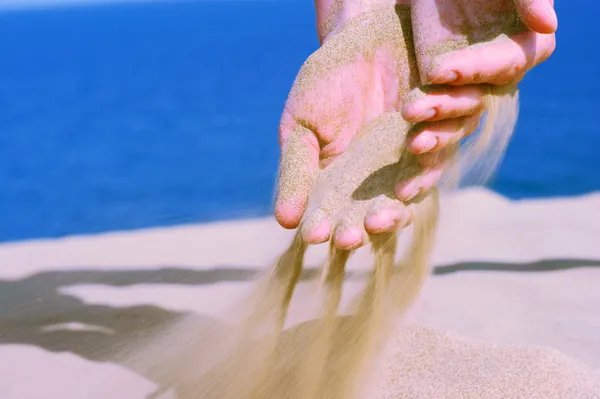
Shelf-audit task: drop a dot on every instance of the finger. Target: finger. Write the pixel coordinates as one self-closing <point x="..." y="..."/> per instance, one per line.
<point x="386" y="214"/>
<point x="298" y="167"/>
<point x="538" y="15"/>
<point x="436" y="136"/>
<point x="388" y="219"/>
<point x="407" y="190"/>
<point x="350" y="231"/>
<point x="443" y="103"/>
<point x="349" y="238"/>
<point x="317" y="233"/>
<point x="497" y="62"/>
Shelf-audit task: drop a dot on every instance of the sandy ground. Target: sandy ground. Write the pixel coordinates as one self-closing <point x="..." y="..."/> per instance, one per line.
<point x="521" y="273"/>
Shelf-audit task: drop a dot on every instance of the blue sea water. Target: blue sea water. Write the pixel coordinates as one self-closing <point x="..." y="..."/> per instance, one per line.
<point x="128" y="116"/>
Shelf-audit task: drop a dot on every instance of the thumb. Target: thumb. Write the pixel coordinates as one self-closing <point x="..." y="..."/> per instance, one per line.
<point x="538" y="15"/>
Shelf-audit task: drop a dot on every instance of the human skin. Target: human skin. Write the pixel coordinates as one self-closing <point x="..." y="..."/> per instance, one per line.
<point x="446" y="112"/>
<point x="460" y="77"/>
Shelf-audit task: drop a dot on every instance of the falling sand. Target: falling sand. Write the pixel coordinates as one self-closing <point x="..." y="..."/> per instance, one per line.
<point x="365" y="354"/>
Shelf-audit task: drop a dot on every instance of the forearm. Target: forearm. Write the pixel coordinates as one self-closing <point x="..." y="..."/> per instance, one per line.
<point x="331" y="14"/>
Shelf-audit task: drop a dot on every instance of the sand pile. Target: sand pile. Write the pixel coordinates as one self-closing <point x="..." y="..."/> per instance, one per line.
<point x="425" y="363"/>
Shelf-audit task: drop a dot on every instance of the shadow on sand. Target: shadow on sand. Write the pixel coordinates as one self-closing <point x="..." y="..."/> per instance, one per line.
<point x="32" y="305"/>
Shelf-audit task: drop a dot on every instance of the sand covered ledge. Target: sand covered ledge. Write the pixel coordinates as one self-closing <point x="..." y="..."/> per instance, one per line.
<point x="506" y="273"/>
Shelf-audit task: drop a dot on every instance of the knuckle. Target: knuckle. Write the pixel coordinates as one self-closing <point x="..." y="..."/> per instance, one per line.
<point x="477" y="77"/>
<point x="449" y="111"/>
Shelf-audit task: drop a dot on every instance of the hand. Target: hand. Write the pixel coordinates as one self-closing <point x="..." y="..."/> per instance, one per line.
<point x="451" y="107"/>
<point x="361" y="72"/>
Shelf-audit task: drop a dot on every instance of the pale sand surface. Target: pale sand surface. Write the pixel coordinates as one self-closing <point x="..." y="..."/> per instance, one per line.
<point x="506" y="273"/>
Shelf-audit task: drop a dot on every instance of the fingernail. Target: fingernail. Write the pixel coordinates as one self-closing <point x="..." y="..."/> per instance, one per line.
<point x="408" y="192"/>
<point x="411" y="194"/>
<point x="430" y="113"/>
<point x="423" y="143"/>
<point x="444" y="77"/>
<point x="385" y="228"/>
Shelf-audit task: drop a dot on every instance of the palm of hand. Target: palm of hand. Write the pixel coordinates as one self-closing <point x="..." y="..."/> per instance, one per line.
<point x="334" y="99"/>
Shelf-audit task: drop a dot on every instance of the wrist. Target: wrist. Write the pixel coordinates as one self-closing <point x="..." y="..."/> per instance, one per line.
<point x="333" y="14"/>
